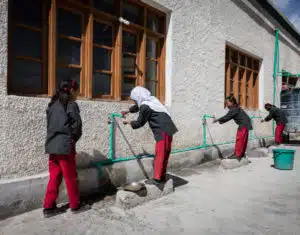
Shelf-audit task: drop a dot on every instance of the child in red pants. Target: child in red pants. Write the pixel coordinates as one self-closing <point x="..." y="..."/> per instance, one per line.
<point x="242" y="120"/>
<point x="279" y="117"/>
<point x="64" y="129"/>
<point x="152" y="111"/>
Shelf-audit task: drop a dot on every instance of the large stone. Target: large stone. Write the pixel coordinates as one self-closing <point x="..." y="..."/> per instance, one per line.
<point x="127" y="199"/>
<point x="234" y="163"/>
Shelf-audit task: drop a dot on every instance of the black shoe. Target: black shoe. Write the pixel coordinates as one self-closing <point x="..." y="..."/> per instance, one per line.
<point x="49" y="212"/>
<point x="82" y="208"/>
<point x="153" y="182"/>
<point x="232" y="157"/>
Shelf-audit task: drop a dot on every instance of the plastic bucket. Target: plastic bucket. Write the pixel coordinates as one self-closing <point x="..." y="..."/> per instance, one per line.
<point x="283" y="159"/>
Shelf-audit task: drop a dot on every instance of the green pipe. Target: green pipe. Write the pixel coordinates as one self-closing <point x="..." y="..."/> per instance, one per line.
<point x="275" y="71"/>
<point x="113" y="160"/>
<point x="111" y="133"/>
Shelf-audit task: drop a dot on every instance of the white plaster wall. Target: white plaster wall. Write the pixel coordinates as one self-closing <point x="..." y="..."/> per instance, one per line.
<point x="195" y="85"/>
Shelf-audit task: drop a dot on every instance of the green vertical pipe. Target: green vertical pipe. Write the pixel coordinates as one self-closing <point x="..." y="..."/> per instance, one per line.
<point x="204" y="130"/>
<point x="111" y="137"/>
<point x="275" y="72"/>
<point x="111" y="133"/>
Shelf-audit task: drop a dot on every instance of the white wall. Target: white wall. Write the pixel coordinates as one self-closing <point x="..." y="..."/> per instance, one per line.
<point x="195" y="85"/>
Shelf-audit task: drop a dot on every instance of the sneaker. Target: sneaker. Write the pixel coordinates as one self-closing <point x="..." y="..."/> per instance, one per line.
<point x="50" y="212"/>
<point x="82" y="208"/>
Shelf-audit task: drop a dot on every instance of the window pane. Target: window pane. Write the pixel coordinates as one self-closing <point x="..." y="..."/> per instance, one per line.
<point x="27" y="12"/>
<point x="151" y="49"/>
<point x="101" y="84"/>
<point x="133" y="13"/>
<point x="127" y="86"/>
<point x="84" y="1"/>
<point x="129" y="65"/>
<point x="67" y="73"/>
<point x="102" y="59"/>
<point x="249" y="62"/>
<point x="69" y="23"/>
<point x="151" y="70"/>
<point x="154" y="23"/>
<point x="129" y="42"/>
<point x="26" y="75"/>
<point x="105" y="5"/>
<point x="242" y="60"/>
<point x="234" y="56"/>
<point x="102" y="34"/>
<point x="68" y="51"/>
<point x="256" y="65"/>
<point x="227" y="53"/>
<point x="151" y="86"/>
<point x="27" y="43"/>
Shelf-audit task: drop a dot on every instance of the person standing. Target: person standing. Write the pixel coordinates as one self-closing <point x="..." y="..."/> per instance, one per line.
<point x="152" y="111"/>
<point x="279" y="117"/>
<point x="243" y="121"/>
<point x="64" y="129"/>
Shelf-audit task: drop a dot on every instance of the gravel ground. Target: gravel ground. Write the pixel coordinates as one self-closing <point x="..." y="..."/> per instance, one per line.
<point x="255" y="199"/>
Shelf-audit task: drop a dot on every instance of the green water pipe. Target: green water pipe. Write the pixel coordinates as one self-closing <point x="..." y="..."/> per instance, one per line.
<point x="275" y="72"/>
<point x="111" y="133"/>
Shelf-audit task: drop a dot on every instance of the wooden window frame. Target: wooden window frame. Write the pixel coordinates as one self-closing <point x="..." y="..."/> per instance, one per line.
<point x="89" y="16"/>
<point x="245" y="90"/>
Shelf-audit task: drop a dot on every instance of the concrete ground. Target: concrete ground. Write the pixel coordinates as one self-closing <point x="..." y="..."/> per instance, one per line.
<point x="255" y="199"/>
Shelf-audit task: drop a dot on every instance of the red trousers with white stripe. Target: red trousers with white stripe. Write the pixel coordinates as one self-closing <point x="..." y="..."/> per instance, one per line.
<point x="162" y="154"/>
<point x="241" y="142"/>
<point x="62" y="165"/>
<point x="278" y="133"/>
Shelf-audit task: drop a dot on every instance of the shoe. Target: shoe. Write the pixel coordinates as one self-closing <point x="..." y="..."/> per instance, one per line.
<point x="50" y="212"/>
<point x="82" y="208"/>
<point x="153" y="182"/>
<point x="232" y="157"/>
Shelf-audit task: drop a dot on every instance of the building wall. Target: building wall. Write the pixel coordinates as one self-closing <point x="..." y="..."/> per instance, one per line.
<point x="197" y="34"/>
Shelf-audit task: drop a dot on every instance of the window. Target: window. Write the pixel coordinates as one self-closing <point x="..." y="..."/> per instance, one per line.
<point x="241" y="77"/>
<point x="52" y="40"/>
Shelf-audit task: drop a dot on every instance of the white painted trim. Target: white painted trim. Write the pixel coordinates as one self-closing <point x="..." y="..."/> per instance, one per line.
<point x="168" y="71"/>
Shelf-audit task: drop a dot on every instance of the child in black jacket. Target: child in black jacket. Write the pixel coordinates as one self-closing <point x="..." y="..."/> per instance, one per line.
<point x="151" y="110"/>
<point x="64" y="129"/>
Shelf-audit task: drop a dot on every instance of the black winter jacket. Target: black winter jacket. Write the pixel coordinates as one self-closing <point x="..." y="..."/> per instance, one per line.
<point x="240" y="117"/>
<point x="64" y="128"/>
<point x="159" y="122"/>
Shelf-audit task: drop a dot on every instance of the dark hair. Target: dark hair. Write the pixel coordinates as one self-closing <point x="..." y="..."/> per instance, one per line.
<point x="63" y="93"/>
<point x="232" y="99"/>
<point x="268" y="106"/>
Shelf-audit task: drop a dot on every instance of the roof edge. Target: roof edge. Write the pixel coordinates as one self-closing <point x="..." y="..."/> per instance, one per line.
<point x="280" y="18"/>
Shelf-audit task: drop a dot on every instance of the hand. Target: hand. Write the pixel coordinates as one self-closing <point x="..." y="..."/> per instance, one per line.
<point x="124" y="113"/>
<point x="262" y="121"/>
<point x="125" y="122"/>
<point x="214" y="119"/>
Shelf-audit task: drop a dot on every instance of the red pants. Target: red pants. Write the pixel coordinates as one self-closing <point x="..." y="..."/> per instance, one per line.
<point x="278" y="133"/>
<point x="62" y="165"/>
<point x="162" y="154"/>
<point x="241" y="142"/>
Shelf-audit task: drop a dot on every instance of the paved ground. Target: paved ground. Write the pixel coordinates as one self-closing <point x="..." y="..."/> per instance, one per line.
<point x="255" y="199"/>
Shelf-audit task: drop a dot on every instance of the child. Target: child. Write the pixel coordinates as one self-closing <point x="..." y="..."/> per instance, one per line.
<point x="64" y="129"/>
<point x="152" y="111"/>
<point x="242" y="120"/>
<point x="278" y="115"/>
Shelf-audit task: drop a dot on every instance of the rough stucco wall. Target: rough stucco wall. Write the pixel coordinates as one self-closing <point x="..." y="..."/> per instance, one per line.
<point x="199" y="33"/>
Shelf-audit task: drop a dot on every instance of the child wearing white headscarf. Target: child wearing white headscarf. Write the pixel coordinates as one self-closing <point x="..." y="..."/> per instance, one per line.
<point x="151" y="110"/>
